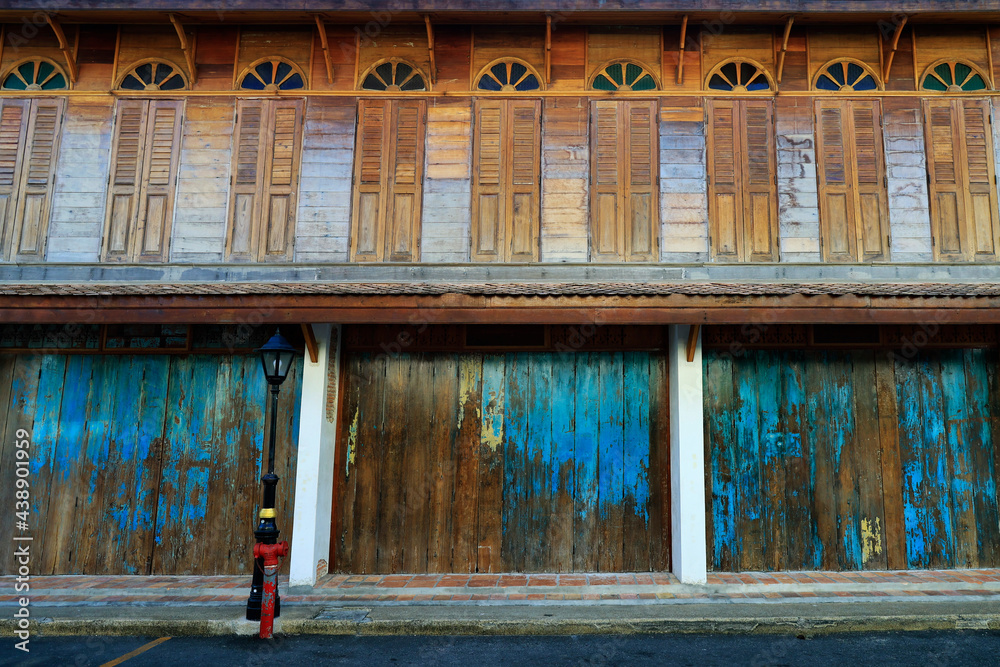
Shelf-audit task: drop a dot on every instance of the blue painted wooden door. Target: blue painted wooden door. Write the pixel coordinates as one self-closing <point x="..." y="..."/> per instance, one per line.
<point x="533" y="461"/>
<point x="852" y="460"/>
<point x="145" y="464"/>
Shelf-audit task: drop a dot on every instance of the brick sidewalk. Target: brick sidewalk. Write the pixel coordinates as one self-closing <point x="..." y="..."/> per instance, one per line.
<point x="519" y="588"/>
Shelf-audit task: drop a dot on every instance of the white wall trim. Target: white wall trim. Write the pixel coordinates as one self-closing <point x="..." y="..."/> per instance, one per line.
<point x="310" y="552"/>
<point x="687" y="460"/>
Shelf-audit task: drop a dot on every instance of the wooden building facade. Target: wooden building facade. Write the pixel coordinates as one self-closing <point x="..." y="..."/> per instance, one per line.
<point x="590" y="289"/>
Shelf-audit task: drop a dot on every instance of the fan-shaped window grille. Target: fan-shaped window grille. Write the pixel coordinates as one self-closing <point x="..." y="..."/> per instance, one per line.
<point x="270" y="74"/>
<point x="740" y="76"/>
<point x="954" y="76"/>
<point x="508" y="76"/>
<point x="39" y="74"/>
<point x="393" y="76"/>
<point x="846" y="76"/>
<point x="154" y="75"/>
<point x="624" y="75"/>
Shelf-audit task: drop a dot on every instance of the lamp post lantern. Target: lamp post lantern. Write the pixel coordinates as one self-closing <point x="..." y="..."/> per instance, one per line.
<point x="276" y="356"/>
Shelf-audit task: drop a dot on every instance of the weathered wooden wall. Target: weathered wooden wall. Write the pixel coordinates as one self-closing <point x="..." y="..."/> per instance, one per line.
<point x="144" y="464"/>
<point x="852" y="460"/>
<point x="502" y="462"/>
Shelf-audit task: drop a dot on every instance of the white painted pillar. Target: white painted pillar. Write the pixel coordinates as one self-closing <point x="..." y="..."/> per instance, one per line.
<point x="687" y="460"/>
<point x="309" y="558"/>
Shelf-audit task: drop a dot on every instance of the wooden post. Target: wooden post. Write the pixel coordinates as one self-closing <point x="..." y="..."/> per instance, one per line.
<point x="680" y="50"/>
<point x="186" y="48"/>
<point x="326" y="49"/>
<point x="548" y="49"/>
<point x="892" y="50"/>
<point x="64" y="47"/>
<point x="430" y="47"/>
<point x="784" y="47"/>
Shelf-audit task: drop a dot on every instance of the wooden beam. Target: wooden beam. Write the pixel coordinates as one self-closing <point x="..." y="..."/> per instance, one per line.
<point x="692" y="345"/>
<point x="186" y="48"/>
<point x="784" y="46"/>
<point x="548" y="49"/>
<point x="74" y="71"/>
<point x="311" y="345"/>
<point x="324" y="41"/>
<point x="892" y="50"/>
<point x="430" y="47"/>
<point x="989" y="58"/>
<point x="680" y="50"/>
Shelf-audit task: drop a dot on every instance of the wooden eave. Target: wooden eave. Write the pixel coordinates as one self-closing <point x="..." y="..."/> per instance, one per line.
<point x="468" y="308"/>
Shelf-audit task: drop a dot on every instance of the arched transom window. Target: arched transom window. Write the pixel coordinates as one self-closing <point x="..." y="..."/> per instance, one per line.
<point x="508" y="75"/>
<point x="954" y="76"/>
<point x="847" y="75"/>
<point x="624" y="75"/>
<point x="393" y="76"/>
<point x="740" y="76"/>
<point x="271" y="74"/>
<point x="35" y="74"/>
<point x="153" y="75"/>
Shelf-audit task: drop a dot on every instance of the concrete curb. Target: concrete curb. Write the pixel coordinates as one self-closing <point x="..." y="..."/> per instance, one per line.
<point x="764" y="625"/>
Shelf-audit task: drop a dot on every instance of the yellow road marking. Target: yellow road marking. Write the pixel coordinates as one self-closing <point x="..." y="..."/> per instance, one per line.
<point x="141" y="649"/>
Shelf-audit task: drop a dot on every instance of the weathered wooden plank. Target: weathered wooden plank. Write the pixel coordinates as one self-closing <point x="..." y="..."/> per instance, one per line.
<point x="774" y="454"/>
<point x="416" y="474"/>
<point x="441" y="470"/>
<point x="516" y="513"/>
<point x="562" y="482"/>
<point x="493" y="493"/>
<point x="980" y="372"/>
<point x="367" y="469"/>
<point x="659" y="455"/>
<point x="956" y="457"/>
<point x="800" y="529"/>
<point x="892" y="489"/>
<point x="538" y="463"/>
<point x="747" y="468"/>
<point x="841" y="420"/>
<point x="910" y="409"/>
<point x="44" y="449"/>
<point x="824" y="501"/>
<point x="586" y="395"/>
<point x="721" y="488"/>
<point x="636" y="469"/>
<point x="867" y="455"/>
<point x="611" y="451"/>
<point x="466" y="479"/>
<point x="392" y="431"/>
<point x="356" y="380"/>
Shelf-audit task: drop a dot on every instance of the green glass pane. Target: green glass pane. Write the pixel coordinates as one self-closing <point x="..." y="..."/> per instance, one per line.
<point x="603" y="83"/>
<point x="615" y="72"/>
<point x="44" y="69"/>
<point x="944" y="72"/>
<point x="55" y="83"/>
<point x="718" y="83"/>
<point x="645" y="83"/>
<point x="632" y="72"/>
<point x="975" y="83"/>
<point x="930" y="83"/>
<point x="13" y="83"/>
<point x="962" y="72"/>
<point x="27" y="71"/>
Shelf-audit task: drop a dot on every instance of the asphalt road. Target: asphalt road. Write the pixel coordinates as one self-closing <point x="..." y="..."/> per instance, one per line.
<point x="927" y="649"/>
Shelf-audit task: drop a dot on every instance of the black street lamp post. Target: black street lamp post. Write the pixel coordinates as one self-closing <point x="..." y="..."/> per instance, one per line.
<point x="277" y="356"/>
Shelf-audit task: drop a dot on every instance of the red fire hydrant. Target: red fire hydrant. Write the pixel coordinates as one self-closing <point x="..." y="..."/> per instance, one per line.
<point x="272" y="555"/>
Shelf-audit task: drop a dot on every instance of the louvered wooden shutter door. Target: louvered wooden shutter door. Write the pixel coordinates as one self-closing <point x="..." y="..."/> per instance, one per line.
<point x="281" y="176"/>
<point x="34" y="199"/>
<point x="158" y="180"/>
<point x="760" y="215"/>
<point x="641" y="196"/>
<point x="370" y="181"/>
<point x="725" y="204"/>
<point x="605" y="172"/>
<point x="402" y="235"/>
<point x="248" y="167"/>
<point x="837" y="205"/>
<point x="13" y="128"/>
<point x="869" y="177"/>
<point x="126" y="173"/>
<point x="489" y="212"/>
<point x="980" y="169"/>
<point x="944" y="170"/>
<point x="524" y="206"/>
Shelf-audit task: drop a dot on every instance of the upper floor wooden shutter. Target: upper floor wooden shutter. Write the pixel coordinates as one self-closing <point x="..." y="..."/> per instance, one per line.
<point x="266" y="158"/>
<point x="29" y="147"/>
<point x="388" y="180"/>
<point x="743" y="198"/>
<point x="506" y="188"/>
<point x="143" y="178"/>
<point x="961" y="179"/>
<point x="624" y="181"/>
<point x="852" y="193"/>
